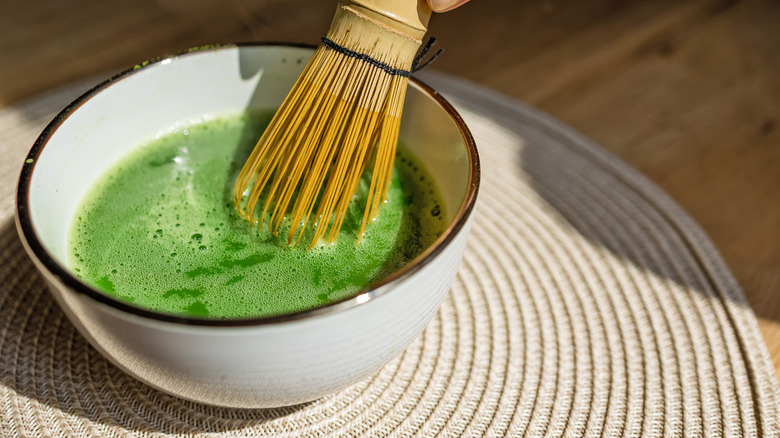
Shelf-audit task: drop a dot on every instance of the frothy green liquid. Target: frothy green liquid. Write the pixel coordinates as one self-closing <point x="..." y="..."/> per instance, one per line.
<point x="160" y="230"/>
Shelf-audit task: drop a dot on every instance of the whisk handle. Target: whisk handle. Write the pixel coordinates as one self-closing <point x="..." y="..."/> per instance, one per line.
<point x="409" y="17"/>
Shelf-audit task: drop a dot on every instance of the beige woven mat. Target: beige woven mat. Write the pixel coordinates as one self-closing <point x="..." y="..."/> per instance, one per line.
<point x="587" y="304"/>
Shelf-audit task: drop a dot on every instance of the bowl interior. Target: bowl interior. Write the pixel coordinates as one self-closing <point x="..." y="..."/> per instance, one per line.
<point x="104" y="125"/>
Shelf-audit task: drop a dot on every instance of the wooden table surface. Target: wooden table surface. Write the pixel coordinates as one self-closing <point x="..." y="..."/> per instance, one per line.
<point x="688" y="92"/>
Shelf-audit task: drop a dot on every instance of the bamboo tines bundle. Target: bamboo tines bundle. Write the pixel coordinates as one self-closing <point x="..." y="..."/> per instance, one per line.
<point x="343" y="112"/>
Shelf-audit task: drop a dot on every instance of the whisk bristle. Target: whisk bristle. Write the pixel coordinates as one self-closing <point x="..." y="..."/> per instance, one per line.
<point x="342" y="115"/>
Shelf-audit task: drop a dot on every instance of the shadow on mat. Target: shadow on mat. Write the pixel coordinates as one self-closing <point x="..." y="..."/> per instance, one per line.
<point x="44" y="359"/>
<point x="612" y="207"/>
<point x="623" y="214"/>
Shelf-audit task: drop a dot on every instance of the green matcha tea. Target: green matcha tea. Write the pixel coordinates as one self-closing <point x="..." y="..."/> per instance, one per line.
<point x="160" y="230"/>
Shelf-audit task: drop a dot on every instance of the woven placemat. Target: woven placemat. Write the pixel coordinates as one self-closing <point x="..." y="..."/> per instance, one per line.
<point x="587" y="304"/>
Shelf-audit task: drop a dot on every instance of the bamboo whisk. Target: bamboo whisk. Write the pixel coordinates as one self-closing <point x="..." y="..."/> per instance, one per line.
<point x="343" y="112"/>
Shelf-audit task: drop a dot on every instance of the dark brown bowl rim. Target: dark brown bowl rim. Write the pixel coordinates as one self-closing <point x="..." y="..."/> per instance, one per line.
<point x="380" y="288"/>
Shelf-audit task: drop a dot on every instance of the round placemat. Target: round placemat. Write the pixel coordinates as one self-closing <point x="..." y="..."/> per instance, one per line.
<point x="587" y="304"/>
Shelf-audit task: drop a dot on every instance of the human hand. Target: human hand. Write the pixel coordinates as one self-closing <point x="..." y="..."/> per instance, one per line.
<point x="445" y="5"/>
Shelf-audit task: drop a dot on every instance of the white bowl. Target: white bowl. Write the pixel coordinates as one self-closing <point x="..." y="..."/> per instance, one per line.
<point x="265" y="362"/>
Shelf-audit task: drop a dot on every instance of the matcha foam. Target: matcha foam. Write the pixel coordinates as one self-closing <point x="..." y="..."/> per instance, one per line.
<point x="160" y="230"/>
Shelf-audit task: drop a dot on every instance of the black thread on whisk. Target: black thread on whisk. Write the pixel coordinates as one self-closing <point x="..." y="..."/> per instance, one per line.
<point x="416" y="66"/>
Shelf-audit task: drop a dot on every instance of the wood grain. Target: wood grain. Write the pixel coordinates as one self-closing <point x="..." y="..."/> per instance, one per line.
<point x="686" y="92"/>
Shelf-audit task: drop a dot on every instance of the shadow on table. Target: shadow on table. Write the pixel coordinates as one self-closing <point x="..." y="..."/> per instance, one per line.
<point x="45" y="360"/>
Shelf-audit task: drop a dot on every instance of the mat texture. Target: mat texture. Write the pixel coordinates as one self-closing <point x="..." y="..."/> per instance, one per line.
<point x="587" y="304"/>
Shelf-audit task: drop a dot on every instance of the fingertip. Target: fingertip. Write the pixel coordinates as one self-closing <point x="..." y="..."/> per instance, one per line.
<point x="445" y="5"/>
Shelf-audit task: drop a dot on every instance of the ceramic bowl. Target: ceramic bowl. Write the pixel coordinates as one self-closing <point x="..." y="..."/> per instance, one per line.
<point x="254" y="363"/>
